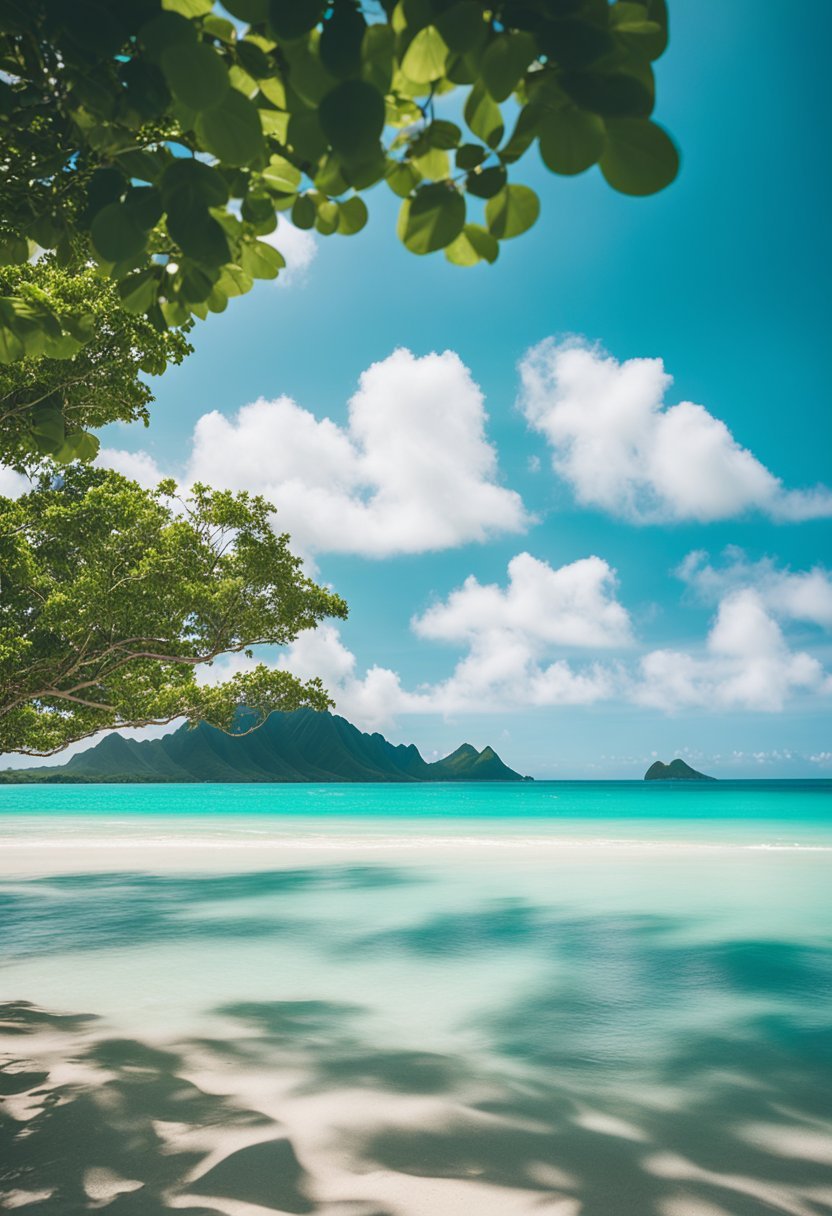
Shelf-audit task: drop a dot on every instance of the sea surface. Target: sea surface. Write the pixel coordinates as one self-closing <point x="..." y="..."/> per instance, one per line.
<point x="554" y="998"/>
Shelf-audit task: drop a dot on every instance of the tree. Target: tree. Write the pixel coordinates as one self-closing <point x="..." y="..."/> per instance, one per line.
<point x="111" y="596"/>
<point x="168" y="138"/>
<point x="48" y="404"/>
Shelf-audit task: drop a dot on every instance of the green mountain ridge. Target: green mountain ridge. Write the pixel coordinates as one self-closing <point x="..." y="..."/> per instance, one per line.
<point x="677" y="770"/>
<point x="302" y="746"/>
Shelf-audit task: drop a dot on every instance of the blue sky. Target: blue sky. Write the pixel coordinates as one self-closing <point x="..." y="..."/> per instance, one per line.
<point x="724" y="278"/>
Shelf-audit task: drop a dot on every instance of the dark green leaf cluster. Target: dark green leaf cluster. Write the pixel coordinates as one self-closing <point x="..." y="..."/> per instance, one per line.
<point x="48" y="402"/>
<point x="169" y="138"/>
<point x="111" y="596"/>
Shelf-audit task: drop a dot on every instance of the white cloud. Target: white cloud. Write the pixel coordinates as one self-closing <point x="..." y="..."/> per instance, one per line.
<point x="804" y="595"/>
<point x="411" y="471"/>
<point x="514" y="636"/>
<point x="298" y="247"/>
<point x="747" y="664"/>
<point x="572" y="605"/>
<point x="12" y="484"/>
<point x="512" y="639"/>
<point x="519" y="644"/>
<point x="138" y="466"/>
<point x="621" y="448"/>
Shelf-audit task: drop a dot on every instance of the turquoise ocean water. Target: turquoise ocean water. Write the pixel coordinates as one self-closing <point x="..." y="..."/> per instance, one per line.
<point x="589" y="999"/>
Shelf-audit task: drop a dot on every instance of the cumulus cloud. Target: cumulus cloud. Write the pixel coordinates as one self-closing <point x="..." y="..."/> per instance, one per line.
<point x="803" y="595"/>
<point x="512" y="639"/>
<point x="747" y="664"/>
<point x="411" y="471"/>
<point x="620" y="447"/>
<point x="559" y="636"/>
<point x="572" y="605"/>
<point x="138" y="466"/>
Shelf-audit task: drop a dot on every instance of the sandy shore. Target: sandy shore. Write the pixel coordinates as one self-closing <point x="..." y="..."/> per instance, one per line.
<point x="40" y="856"/>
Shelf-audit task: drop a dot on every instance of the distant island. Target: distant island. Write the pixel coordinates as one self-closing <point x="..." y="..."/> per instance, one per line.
<point x="302" y="746"/>
<point x="677" y="770"/>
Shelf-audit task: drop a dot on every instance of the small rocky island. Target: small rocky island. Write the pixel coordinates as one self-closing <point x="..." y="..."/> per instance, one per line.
<point x="677" y="770"/>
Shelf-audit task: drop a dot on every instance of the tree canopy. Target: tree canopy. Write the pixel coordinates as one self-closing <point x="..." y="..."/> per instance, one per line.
<point x="111" y="596"/>
<point x="49" y="404"/>
<point x="168" y="137"/>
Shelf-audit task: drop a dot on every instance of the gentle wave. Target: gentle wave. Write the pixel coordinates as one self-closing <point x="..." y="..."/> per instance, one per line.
<point x="400" y="843"/>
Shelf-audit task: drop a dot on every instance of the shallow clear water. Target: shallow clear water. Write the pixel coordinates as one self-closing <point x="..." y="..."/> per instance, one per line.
<point x="599" y="998"/>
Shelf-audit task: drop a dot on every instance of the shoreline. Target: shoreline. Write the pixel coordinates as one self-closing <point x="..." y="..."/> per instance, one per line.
<point x="21" y="858"/>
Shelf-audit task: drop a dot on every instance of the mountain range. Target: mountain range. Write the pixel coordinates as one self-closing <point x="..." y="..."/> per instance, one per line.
<point x="300" y="746"/>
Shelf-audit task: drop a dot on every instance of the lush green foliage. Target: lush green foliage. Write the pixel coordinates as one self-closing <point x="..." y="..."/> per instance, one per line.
<point x="111" y="596"/>
<point x="169" y="138"/>
<point x="47" y="404"/>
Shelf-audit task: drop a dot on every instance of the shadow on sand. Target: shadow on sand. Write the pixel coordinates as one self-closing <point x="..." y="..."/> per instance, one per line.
<point x="586" y="1096"/>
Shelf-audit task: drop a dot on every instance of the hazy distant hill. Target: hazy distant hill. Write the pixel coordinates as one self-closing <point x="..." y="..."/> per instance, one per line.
<point x="677" y="770"/>
<point x="299" y="746"/>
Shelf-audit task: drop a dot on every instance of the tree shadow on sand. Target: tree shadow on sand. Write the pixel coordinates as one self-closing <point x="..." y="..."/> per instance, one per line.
<point x="95" y="1144"/>
<point x="596" y="1086"/>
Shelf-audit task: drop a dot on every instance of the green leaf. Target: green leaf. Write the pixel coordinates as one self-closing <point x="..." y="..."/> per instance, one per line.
<point x="188" y="8"/>
<point x="570" y="139"/>
<point x="281" y="174"/>
<point x="80" y="445"/>
<point x="138" y="291"/>
<point x="330" y="177"/>
<point x="326" y="220"/>
<point x="231" y="130"/>
<point x="463" y="26"/>
<point x="426" y="57"/>
<point x="275" y="90"/>
<point x="523" y="135"/>
<point x="483" y="116"/>
<point x="612" y="95"/>
<point x="116" y="235"/>
<point x="307" y="75"/>
<point x="341" y="41"/>
<point x="443" y="134"/>
<point x="293" y="18"/>
<point x="377" y="51"/>
<point x="254" y="60"/>
<point x="199" y="235"/>
<point x="13" y="250"/>
<point x="305" y="137"/>
<point x="195" y="282"/>
<point x="470" y="155"/>
<point x="639" y="157"/>
<point x="145" y="166"/>
<point x="473" y="245"/>
<point x="352" y="119"/>
<point x="48" y="429"/>
<point x="189" y="183"/>
<point x="234" y="282"/>
<point x="165" y="31"/>
<point x="485" y="183"/>
<point x="352" y="216"/>
<point x="145" y="205"/>
<point x="260" y="260"/>
<point x="275" y="123"/>
<point x="258" y="209"/>
<point x="363" y="174"/>
<point x="434" y="164"/>
<point x="252" y="11"/>
<point x="504" y="61"/>
<point x="402" y="178"/>
<point x="512" y="212"/>
<point x="304" y="212"/>
<point x="431" y="219"/>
